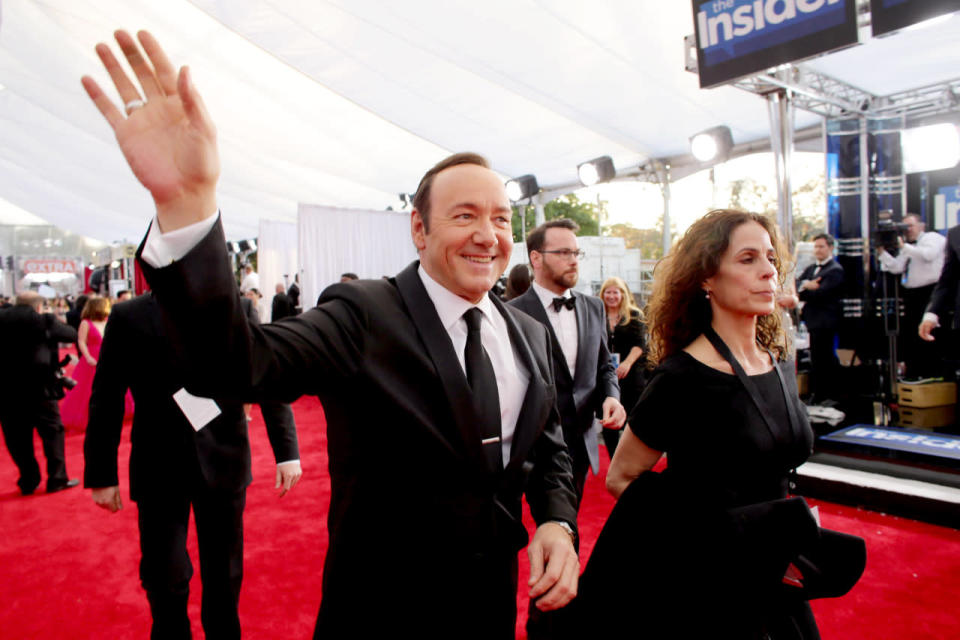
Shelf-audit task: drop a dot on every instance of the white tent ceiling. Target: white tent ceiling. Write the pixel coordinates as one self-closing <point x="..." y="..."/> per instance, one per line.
<point x="347" y="102"/>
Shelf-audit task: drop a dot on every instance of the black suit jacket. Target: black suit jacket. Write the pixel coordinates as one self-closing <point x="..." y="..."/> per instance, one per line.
<point x="579" y="397"/>
<point x="282" y="307"/>
<point x="946" y="295"/>
<point x="417" y="523"/>
<point x="823" y="309"/>
<point x="167" y="455"/>
<point x="29" y="344"/>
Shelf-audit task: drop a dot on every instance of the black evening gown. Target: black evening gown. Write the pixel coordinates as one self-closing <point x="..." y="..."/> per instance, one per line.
<point x="678" y="558"/>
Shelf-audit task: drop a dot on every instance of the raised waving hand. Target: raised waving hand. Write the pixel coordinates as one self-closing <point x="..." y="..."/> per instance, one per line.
<point x="163" y="129"/>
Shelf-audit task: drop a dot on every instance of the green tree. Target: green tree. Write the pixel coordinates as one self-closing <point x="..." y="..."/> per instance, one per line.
<point x="809" y="204"/>
<point x="649" y="241"/>
<point x="588" y="215"/>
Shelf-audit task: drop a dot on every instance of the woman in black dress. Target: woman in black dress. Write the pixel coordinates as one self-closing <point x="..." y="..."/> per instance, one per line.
<point x="625" y="338"/>
<point x="703" y="560"/>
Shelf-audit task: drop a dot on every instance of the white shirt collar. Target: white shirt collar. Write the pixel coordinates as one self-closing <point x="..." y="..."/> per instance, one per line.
<point x="546" y="296"/>
<point x="451" y="307"/>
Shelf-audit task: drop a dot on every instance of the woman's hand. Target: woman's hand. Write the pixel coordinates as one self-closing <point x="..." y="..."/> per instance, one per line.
<point x="90" y="360"/>
<point x="623" y="370"/>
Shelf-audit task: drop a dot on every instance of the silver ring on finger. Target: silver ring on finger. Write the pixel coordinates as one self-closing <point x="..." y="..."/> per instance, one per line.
<point x="133" y="104"/>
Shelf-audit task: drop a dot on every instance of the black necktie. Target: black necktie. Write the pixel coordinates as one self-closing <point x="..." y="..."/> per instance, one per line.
<point x="559" y="303"/>
<point x="483" y="384"/>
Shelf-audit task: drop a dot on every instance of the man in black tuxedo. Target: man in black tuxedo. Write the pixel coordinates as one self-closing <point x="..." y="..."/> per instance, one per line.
<point x="178" y="460"/>
<point x="820" y="288"/>
<point x="439" y="399"/>
<point x="28" y="391"/>
<point x="586" y="378"/>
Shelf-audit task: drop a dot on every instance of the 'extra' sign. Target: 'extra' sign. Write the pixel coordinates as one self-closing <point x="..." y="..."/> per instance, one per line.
<point x="49" y="265"/>
<point x="912" y="440"/>
<point x="738" y="37"/>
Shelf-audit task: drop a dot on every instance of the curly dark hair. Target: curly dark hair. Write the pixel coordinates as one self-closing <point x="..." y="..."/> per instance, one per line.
<point x="678" y="312"/>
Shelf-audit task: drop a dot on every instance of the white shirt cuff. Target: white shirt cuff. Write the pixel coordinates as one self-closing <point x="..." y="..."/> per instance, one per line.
<point x="161" y="249"/>
<point x="288" y="462"/>
<point x="931" y="317"/>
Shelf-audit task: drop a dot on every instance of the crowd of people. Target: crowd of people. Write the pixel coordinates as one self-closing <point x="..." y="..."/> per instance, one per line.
<point x="445" y="407"/>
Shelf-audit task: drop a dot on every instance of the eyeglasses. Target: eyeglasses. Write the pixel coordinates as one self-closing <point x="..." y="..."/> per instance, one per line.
<point x="567" y="254"/>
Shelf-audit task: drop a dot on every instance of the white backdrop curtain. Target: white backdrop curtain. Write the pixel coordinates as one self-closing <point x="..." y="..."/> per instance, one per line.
<point x="276" y="260"/>
<point x="334" y="240"/>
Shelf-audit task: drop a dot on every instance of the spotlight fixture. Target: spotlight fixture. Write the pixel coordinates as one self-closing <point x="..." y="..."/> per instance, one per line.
<point x="597" y="170"/>
<point x="232" y="247"/>
<point x="712" y="145"/>
<point x="522" y="187"/>
<point x="248" y="245"/>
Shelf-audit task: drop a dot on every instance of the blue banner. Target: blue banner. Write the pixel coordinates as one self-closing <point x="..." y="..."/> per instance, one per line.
<point x="900" y="439"/>
<point x="739" y="37"/>
<point x="891" y="15"/>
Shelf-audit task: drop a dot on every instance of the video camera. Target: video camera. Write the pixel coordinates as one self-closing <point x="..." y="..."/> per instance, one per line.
<point x="888" y="233"/>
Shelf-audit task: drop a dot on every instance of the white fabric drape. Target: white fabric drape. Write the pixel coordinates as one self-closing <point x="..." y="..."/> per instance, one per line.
<point x="333" y="241"/>
<point x="276" y="260"/>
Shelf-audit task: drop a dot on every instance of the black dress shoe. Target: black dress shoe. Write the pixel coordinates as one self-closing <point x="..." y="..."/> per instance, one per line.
<point x="69" y="484"/>
<point x="28" y="492"/>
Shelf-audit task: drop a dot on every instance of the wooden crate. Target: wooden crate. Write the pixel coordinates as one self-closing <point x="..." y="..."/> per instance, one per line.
<point x="931" y="394"/>
<point x="928" y="417"/>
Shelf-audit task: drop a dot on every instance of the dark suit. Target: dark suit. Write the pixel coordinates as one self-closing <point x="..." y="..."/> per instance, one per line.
<point x="174" y="467"/>
<point x="579" y="397"/>
<point x="29" y="344"/>
<point x="946" y="295"/>
<point x="822" y="313"/>
<point x="282" y="307"/>
<point x="423" y="537"/>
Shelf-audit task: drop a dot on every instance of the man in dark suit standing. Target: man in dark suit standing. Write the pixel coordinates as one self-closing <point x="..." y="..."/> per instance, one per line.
<point x="282" y="306"/>
<point x="28" y="391"/>
<point x="180" y="459"/>
<point x="439" y="399"/>
<point x="820" y="287"/>
<point x="945" y="298"/>
<point x="585" y="376"/>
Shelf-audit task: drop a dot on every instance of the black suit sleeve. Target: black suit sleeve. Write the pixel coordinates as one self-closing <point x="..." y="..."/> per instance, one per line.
<point x="107" y="404"/>
<point x="607" y="383"/>
<point x="59" y="331"/>
<point x="281" y="430"/>
<point x="944" y="294"/>
<point x="830" y="281"/>
<point x="230" y="358"/>
<point x="550" y="491"/>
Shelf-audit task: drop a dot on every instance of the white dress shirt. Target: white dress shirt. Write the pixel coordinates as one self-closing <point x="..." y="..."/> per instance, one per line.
<point x="922" y="261"/>
<point x="564" y="324"/>
<point x="512" y="376"/>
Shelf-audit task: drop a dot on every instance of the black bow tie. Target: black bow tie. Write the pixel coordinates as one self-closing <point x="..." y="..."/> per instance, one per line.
<point x="559" y="303"/>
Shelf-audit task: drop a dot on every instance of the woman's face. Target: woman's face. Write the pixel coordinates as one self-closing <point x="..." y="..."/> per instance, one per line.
<point x="612" y="297"/>
<point x="746" y="280"/>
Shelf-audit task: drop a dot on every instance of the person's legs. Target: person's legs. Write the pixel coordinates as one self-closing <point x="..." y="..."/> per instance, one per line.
<point x="50" y="428"/>
<point x="18" y="436"/>
<point x="165" y="568"/>
<point x="823" y="364"/>
<point x="219" y="517"/>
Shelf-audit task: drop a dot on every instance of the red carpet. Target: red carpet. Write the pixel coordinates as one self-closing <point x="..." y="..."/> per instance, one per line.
<point x="68" y="570"/>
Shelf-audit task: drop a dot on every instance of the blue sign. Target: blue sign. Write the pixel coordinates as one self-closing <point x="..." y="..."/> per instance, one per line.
<point x="891" y="15"/>
<point x="899" y="439"/>
<point x="739" y="37"/>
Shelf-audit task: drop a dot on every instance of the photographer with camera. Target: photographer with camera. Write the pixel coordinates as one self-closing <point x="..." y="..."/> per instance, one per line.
<point x="920" y="260"/>
<point x="29" y="389"/>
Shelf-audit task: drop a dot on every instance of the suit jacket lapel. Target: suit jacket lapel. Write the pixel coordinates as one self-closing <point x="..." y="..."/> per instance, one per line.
<point x="434" y="336"/>
<point x="534" y="307"/>
<point x="583" y="324"/>
<point x="535" y="406"/>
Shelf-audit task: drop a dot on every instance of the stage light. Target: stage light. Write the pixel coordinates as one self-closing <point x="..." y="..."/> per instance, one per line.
<point x="233" y="247"/>
<point x="712" y="145"/>
<point x="522" y="187"/>
<point x="935" y="146"/>
<point x="248" y="245"/>
<point x="597" y="170"/>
